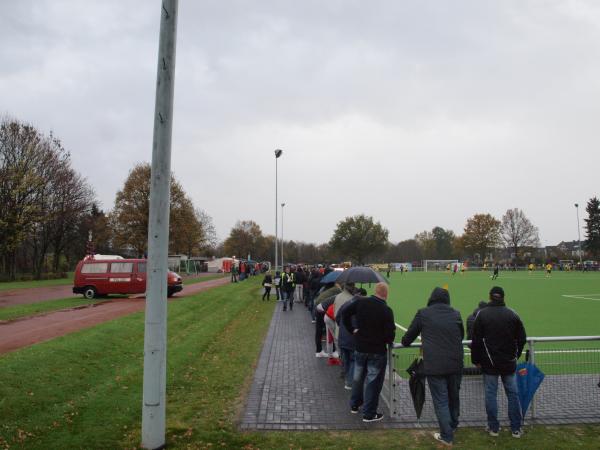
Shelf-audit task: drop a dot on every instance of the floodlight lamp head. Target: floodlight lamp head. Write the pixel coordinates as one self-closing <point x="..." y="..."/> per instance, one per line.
<point x="576" y="205"/>
<point x="278" y="153"/>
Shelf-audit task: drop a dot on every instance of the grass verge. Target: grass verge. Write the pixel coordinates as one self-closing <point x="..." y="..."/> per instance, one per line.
<point x="194" y="280"/>
<point x="9" y="285"/>
<point x="31" y="309"/>
<point x="84" y="390"/>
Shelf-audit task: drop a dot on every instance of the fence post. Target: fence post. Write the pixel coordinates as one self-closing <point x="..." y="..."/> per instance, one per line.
<point x="391" y="381"/>
<point x="532" y="360"/>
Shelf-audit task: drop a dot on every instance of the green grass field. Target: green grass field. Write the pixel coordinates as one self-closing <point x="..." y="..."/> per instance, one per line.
<point x="566" y="304"/>
<point x="9" y="285"/>
<point x="539" y="301"/>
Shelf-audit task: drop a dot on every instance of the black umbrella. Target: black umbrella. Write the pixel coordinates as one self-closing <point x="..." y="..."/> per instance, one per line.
<point x="416" y="383"/>
<point x="360" y="275"/>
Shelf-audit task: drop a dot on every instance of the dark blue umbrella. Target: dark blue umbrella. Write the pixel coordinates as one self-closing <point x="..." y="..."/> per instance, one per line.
<point x="331" y="277"/>
<point x="360" y="275"/>
<point x="529" y="378"/>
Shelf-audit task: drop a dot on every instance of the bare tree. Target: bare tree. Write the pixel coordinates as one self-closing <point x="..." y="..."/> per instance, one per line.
<point x="518" y="232"/>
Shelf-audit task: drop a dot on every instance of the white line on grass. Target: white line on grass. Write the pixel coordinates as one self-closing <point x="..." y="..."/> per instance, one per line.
<point x="582" y="297"/>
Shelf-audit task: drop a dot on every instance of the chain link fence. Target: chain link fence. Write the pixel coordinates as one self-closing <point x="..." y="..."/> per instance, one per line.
<point x="570" y="392"/>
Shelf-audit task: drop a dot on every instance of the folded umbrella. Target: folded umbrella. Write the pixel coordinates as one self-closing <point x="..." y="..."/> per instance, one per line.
<point x="416" y="383"/>
<point x="529" y="378"/>
<point x="360" y="275"/>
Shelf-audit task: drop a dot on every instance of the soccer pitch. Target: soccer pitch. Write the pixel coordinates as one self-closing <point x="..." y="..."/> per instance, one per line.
<point x="566" y="304"/>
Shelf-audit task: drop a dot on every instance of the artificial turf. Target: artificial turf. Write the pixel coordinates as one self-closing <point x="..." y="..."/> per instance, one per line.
<point x="540" y="302"/>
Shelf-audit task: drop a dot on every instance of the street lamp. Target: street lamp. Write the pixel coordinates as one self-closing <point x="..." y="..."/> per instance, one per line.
<point x="278" y="153"/>
<point x="578" y="236"/>
<point x="282" y="205"/>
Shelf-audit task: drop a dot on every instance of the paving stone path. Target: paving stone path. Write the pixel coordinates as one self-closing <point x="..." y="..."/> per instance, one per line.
<point x="294" y="390"/>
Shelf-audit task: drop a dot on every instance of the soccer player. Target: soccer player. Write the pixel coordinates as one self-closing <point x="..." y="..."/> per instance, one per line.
<point x="548" y="270"/>
<point x="530" y="268"/>
<point x="496" y="271"/>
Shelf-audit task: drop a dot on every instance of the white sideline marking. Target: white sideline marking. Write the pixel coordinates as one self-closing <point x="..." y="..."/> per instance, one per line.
<point x="537" y="352"/>
<point x="583" y="297"/>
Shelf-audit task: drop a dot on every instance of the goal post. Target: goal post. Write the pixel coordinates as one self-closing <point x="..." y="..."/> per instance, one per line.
<point x="430" y="265"/>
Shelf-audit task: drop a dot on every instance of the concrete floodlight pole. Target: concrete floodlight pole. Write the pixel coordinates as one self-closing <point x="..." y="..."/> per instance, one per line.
<point x="579" y="237"/>
<point x="155" y="332"/>
<point x="278" y="153"/>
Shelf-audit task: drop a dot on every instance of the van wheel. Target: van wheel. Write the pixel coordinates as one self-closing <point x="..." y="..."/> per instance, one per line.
<point x="90" y="292"/>
<point x="170" y="292"/>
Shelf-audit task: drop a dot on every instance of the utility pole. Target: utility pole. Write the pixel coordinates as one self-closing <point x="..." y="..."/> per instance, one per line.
<point x="579" y="237"/>
<point x="155" y="331"/>
<point x="282" y="205"/>
<point x="278" y="153"/>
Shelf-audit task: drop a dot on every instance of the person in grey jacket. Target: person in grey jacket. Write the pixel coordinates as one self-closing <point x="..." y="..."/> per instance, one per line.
<point x="346" y="340"/>
<point x="442" y="332"/>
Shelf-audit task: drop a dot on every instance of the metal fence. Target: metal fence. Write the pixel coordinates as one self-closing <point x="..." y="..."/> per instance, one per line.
<point x="570" y="392"/>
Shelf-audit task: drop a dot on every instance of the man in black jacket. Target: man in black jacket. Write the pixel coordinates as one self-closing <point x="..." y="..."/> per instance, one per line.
<point x="498" y="341"/>
<point x="441" y="330"/>
<point x="374" y="328"/>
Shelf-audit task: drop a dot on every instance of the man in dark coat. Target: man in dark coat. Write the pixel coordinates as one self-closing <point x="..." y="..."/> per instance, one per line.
<point x="441" y="330"/>
<point x="498" y="341"/>
<point x="471" y="319"/>
<point x="371" y="321"/>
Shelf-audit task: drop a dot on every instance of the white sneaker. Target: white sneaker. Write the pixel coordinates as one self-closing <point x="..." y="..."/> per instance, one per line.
<point x="517" y="434"/>
<point x="335" y="355"/>
<point x="321" y="354"/>
<point x="348" y="388"/>
<point x="438" y="437"/>
<point x="492" y="433"/>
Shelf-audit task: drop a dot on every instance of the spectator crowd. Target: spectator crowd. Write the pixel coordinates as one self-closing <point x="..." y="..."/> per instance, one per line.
<point x="358" y="329"/>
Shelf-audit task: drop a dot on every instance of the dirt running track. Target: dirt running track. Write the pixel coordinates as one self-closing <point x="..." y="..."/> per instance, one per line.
<point x="24" y="332"/>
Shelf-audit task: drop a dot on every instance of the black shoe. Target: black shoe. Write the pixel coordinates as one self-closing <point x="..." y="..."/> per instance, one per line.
<point x="284" y="309"/>
<point x="376" y="418"/>
<point x="354" y="410"/>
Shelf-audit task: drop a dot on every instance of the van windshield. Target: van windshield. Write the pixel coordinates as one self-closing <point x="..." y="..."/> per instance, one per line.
<point x="142" y="267"/>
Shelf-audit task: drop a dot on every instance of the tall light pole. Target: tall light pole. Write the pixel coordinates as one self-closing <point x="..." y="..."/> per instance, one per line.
<point x="579" y="236"/>
<point x="282" y="205"/>
<point x="278" y="153"/>
<point x="155" y="328"/>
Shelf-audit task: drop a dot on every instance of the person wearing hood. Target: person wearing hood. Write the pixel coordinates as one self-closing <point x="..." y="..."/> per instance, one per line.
<point x="442" y="332"/>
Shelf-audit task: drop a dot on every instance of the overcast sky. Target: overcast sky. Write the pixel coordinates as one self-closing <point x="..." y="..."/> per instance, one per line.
<point x="417" y="113"/>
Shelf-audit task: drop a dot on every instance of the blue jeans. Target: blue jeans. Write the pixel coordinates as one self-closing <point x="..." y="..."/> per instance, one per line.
<point x="491" y="402"/>
<point x="444" y="391"/>
<point x="287" y="297"/>
<point x="347" y="356"/>
<point x="369" y="373"/>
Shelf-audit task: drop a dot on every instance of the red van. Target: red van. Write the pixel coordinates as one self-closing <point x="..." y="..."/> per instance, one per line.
<point x="95" y="277"/>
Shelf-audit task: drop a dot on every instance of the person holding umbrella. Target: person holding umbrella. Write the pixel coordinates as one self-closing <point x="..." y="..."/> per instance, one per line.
<point x="498" y="340"/>
<point x="442" y="332"/>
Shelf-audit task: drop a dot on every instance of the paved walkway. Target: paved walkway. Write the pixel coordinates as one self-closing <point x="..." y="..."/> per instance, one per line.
<point x="294" y="390"/>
